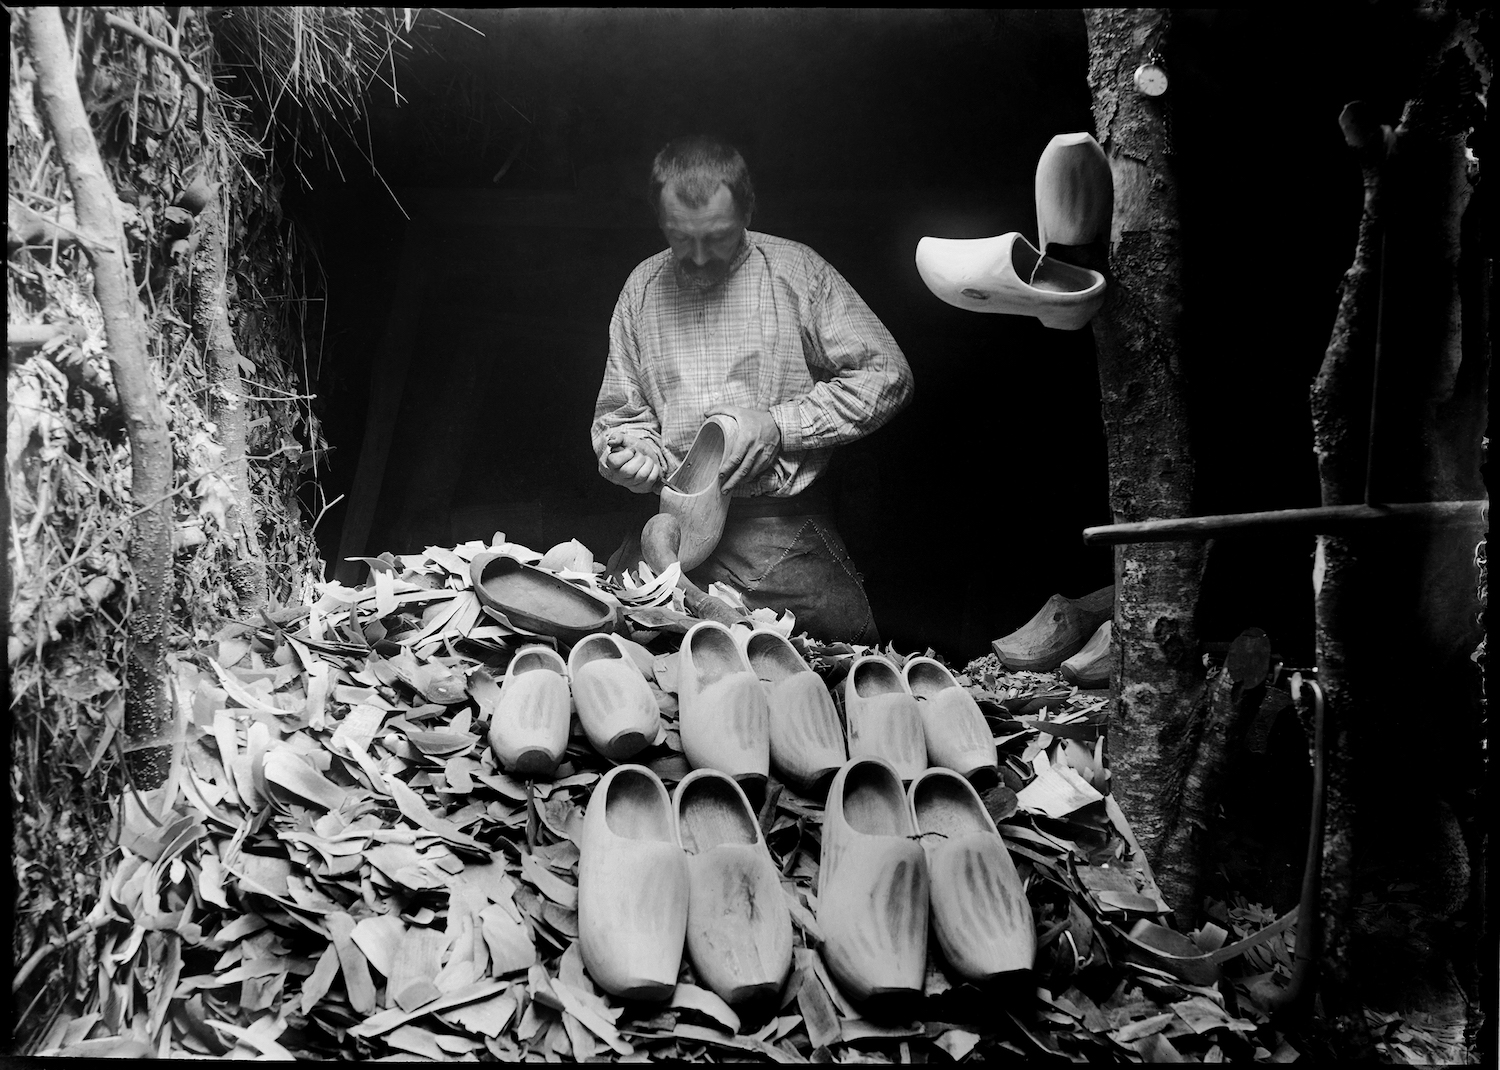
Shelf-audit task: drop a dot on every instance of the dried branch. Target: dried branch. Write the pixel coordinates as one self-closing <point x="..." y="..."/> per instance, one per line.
<point x="119" y="22"/>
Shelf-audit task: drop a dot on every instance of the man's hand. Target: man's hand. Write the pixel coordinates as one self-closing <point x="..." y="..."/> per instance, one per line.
<point x="634" y="464"/>
<point x="753" y="447"/>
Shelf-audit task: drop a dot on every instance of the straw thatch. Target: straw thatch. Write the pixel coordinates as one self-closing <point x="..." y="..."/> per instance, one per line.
<point x="186" y="136"/>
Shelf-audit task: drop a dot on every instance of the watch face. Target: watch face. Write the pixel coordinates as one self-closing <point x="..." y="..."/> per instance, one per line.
<point x="1151" y="79"/>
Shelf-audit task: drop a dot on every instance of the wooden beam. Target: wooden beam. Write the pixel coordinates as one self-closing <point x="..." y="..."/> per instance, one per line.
<point x="387" y="387"/>
<point x="1325" y="519"/>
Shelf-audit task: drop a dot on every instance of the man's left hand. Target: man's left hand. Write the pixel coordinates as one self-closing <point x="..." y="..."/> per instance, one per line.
<point x="753" y="448"/>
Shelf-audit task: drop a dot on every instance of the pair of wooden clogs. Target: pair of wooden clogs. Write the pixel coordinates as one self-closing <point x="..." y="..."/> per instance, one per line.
<point x="891" y="859"/>
<point x="747" y="702"/>
<point x="1006" y="273"/>
<point x="914" y="717"/>
<point x="531" y="710"/>
<point x="655" y="875"/>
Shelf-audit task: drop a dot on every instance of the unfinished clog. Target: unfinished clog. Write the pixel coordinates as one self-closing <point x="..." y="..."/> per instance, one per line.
<point x="1058" y="631"/>
<point x="807" y="740"/>
<point x="1075" y="192"/>
<point x="882" y="716"/>
<point x="616" y="708"/>
<point x="872" y="885"/>
<point x="1007" y="274"/>
<point x="722" y="712"/>
<point x="529" y="726"/>
<point x="1090" y="667"/>
<point x="693" y="496"/>
<point x="980" y="915"/>
<point x="537" y="600"/>
<point x="632" y="887"/>
<point x="958" y="736"/>
<point x="739" y="930"/>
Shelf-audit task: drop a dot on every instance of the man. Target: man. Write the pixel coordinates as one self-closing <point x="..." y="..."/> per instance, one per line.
<point x="730" y="321"/>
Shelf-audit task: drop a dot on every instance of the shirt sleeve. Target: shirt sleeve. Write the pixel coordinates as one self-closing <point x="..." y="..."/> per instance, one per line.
<point x="868" y="379"/>
<point x="622" y="403"/>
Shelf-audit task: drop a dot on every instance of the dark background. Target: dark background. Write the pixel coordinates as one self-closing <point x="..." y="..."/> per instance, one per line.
<point x="864" y="131"/>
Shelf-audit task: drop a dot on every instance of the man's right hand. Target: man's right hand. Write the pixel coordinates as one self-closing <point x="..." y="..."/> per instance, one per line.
<point x="635" y="465"/>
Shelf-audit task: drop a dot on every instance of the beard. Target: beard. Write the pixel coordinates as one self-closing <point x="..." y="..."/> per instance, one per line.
<point x="710" y="275"/>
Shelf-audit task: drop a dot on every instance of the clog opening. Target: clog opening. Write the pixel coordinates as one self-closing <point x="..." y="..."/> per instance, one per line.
<point x="711" y="812"/>
<point x="595" y="648"/>
<point x="946" y="804"/>
<point x="531" y="660"/>
<point x="713" y="654"/>
<point x="927" y="678"/>
<point x="771" y="657"/>
<point x="1047" y="272"/>
<point x="873" y="802"/>
<point x="700" y="468"/>
<point x="876" y="677"/>
<point x="636" y="807"/>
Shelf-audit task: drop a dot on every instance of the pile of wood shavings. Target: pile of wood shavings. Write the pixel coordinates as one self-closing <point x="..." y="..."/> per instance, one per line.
<point x="338" y="869"/>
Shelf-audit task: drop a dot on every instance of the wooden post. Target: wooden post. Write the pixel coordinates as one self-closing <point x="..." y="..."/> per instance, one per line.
<point x="1158" y="681"/>
<point x="148" y="715"/>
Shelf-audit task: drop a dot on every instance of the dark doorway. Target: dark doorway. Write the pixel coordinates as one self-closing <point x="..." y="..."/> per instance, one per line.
<point x="466" y="342"/>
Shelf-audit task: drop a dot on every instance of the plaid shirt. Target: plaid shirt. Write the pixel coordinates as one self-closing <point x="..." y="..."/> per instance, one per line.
<point x="784" y="332"/>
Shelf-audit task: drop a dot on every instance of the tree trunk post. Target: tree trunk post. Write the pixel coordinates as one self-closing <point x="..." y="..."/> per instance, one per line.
<point x="148" y="716"/>
<point x="1158" y="680"/>
<point x="211" y="330"/>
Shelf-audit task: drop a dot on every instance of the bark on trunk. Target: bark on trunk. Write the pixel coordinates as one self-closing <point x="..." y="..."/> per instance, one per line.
<point x="147" y="712"/>
<point x="1385" y="597"/>
<point x="1158" y="682"/>
<point x="211" y="330"/>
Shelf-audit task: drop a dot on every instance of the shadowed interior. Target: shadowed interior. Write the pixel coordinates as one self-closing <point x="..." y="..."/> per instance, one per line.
<point x="876" y="677"/>
<point x="772" y="658"/>
<point x="714" y="655"/>
<point x="1050" y="274"/>
<point x="945" y="803"/>
<point x="510" y="583"/>
<point x="927" y="679"/>
<point x="700" y="468"/>
<point x="531" y="660"/>
<point x="710" y="811"/>
<point x="595" y="648"/>
<point x="873" y="801"/>
<point x="636" y="807"/>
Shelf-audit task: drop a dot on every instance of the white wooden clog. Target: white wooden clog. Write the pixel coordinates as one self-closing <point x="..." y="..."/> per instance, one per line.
<point x="807" y="740"/>
<point x="722" y="712"/>
<point x="980" y="915"/>
<point x="632" y="887"/>
<point x="958" y="737"/>
<point x="529" y="726"/>
<point x="1007" y="274"/>
<point x="616" y="708"/>
<point x="872" y="885"/>
<point x="882" y="716"/>
<point x="739" y="930"/>
<point x="1075" y="192"/>
<point x="692" y="493"/>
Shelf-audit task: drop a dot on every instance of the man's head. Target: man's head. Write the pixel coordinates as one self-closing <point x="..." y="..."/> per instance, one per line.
<point x="701" y="190"/>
